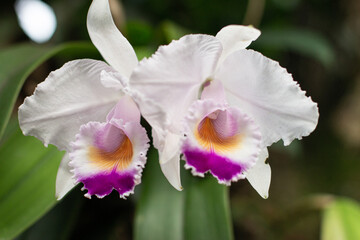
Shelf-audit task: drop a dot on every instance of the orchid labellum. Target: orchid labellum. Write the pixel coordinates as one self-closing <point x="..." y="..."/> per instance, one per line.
<point x="220" y="105"/>
<point x="83" y="108"/>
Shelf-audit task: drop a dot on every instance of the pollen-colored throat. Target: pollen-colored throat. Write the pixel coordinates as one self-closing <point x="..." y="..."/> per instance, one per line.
<point x="118" y="159"/>
<point x="211" y="140"/>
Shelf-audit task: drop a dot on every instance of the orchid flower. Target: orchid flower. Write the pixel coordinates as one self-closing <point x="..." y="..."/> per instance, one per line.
<point x="221" y="105"/>
<point x="83" y="108"/>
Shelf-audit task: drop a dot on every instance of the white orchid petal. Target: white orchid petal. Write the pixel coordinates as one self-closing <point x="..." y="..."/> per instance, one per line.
<point x="126" y="110"/>
<point x="171" y="170"/>
<point x="112" y="45"/>
<point x="157" y="136"/>
<point x="236" y="37"/>
<point x="154" y="115"/>
<point x="268" y="93"/>
<point x="64" y="178"/>
<point x="69" y="97"/>
<point x="172" y="77"/>
<point x="260" y="175"/>
<point x="112" y="80"/>
<point x="170" y="147"/>
<point x="214" y="90"/>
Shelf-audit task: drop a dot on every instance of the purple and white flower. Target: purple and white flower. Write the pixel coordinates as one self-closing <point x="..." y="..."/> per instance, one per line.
<point x="83" y="108"/>
<point x="221" y="105"/>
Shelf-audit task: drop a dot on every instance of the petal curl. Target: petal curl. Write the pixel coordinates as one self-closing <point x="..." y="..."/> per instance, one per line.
<point x="268" y="93"/>
<point x="112" y="45"/>
<point x="109" y="156"/>
<point x="113" y="80"/>
<point x="64" y="179"/>
<point x="69" y="97"/>
<point x="173" y="75"/>
<point x="236" y="37"/>
<point x="171" y="170"/>
<point x="220" y="139"/>
<point x="259" y="176"/>
<point x="169" y="149"/>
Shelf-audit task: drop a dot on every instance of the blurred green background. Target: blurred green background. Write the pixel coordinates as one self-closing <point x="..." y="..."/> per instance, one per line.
<point x="315" y="185"/>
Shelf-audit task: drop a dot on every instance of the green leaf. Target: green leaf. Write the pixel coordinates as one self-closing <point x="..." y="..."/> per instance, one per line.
<point x="200" y="211"/>
<point x="59" y="223"/>
<point x="17" y="63"/>
<point x="139" y="33"/>
<point x="159" y="212"/>
<point x="341" y="220"/>
<point x="27" y="182"/>
<point x="304" y="42"/>
<point x="207" y="214"/>
<point x="142" y="52"/>
<point x="287" y="5"/>
<point x="173" y="31"/>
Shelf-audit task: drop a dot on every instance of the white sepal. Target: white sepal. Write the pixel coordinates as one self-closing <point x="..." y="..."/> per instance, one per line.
<point x="236" y="37"/>
<point x="65" y="180"/>
<point x="259" y="176"/>
<point x="112" y="45"/>
<point x="68" y="98"/>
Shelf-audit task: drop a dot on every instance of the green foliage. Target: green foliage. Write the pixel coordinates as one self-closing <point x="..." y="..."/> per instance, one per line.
<point x="207" y="210"/>
<point x="58" y="223"/>
<point x="341" y="220"/>
<point x="200" y="211"/>
<point x="142" y="52"/>
<point x="27" y="182"/>
<point x="286" y="5"/>
<point x="304" y="42"/>
<point x="139" y="33"/>
<point x="159" y="212"/>
<point x="173" y="31"/>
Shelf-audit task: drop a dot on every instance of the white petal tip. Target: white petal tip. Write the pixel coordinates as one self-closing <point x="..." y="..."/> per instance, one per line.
<point x="58" y="198"/>
<point x="87" y="196"/>
<point x="260" y="175"/>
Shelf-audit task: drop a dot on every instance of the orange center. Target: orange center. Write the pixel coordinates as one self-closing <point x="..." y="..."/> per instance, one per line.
<point x="211" y="140"/>
<point x="119" y="159"/>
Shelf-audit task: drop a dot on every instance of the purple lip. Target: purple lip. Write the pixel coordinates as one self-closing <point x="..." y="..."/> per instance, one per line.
<point x="221" y="167"/>
<point x="103" y="184"/>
